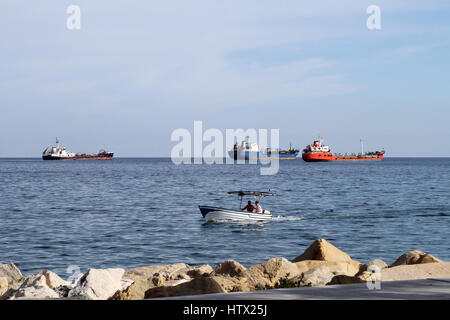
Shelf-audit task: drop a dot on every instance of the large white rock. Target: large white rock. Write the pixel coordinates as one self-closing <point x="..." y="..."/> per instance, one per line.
<point x="145" y="278"/>
<point x="3" y="285"/>
<point x="10" y="271"/>
<point x="323" y="275"/>
<point x="99" y="284"/>
<point x="318" y="276"/>
<point x="34" y="287"/>
<point x="52" y="279"/>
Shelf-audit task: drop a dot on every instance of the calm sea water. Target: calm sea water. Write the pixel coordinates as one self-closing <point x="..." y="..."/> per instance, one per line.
<point x="135" y="212"/>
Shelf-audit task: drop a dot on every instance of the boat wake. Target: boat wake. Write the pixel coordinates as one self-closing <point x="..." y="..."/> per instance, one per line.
<point x="253" y="222"/>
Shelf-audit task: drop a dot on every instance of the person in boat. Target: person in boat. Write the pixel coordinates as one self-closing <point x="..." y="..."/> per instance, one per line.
<point x="258" y="207"/>
<point x="249" y="207"/>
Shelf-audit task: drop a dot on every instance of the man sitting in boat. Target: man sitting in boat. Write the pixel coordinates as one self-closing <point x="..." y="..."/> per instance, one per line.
<point x="258" y="207"/>
<point x="249" y="207"/>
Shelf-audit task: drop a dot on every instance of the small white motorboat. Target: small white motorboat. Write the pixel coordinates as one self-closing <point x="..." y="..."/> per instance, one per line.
<point x="220" y="214"/>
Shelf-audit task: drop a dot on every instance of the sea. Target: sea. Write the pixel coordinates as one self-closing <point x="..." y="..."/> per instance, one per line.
<point x="132" y="212"/>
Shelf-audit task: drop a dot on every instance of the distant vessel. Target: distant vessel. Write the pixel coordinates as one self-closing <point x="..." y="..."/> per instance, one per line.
<point x="60" y="153"/>
<point x="246" y="151"/>
<point x="250" y="151"/>
<point x="288" y="154"/>
<point x="223" y="214"/>
<point x="317" y="152"/>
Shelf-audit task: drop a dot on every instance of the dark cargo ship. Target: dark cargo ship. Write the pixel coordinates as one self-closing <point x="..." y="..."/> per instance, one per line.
<point x="251" y="151"/>
<point x="289" y="154"/>
<point x="60" y="153"/>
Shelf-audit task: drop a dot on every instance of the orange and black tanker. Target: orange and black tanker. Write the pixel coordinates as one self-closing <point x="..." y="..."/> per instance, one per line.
<point x="317" y="152"/>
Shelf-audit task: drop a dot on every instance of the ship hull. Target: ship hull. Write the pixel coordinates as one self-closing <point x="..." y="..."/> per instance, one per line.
<point x="49" y="157"/>
<point x="243" y="155"/>
<point x="282" y="155"/>
<point x="327" y="157"/>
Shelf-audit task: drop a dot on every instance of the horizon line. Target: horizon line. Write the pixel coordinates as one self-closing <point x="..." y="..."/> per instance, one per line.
<point x="160" y="157"/>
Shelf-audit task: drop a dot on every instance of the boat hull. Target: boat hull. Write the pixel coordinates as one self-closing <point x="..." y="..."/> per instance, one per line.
<point x="220" y="214"/>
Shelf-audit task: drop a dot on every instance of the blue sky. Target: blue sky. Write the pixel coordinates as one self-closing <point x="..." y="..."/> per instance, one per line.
<point x="137" y="70"/>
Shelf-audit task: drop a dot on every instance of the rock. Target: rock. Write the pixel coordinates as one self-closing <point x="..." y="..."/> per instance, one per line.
<point x="234" y="284"/>
<point x="414" y="257"/>
<point x="135" y="291"/>
<point x="148" y="272"/>
<point x="321" y="249"/>
<point x="63" y="290"/>
<point x="125" y="283"/>
<point x="175" y="271"/>
<point x="3" y="285"/>
<point x="65" y="287"/>
<point x="52" y="279"/>
<point x="346" y="279"/>
<point x="322" y="262"/>
<point x="200" y="271"/>
<point x="270" y="273"/>
<point x="13" y="287"/>
<point x="398" y="273"/>
<point x="416" y="271"/>
<point x="370" y="267"/>
<point x="33" y="287"/>
<point x="229" y="276"/>
<point x="345" y="267"/>
<point x="98" y="284"/>
<point x="149" y="277"/>
<point x="202" y="285"/>
<point x="158" y="280"/>
<point x="376" y="262"/>
<point x="10" y="272"/>
<point x="230" y="268"/>
<point x="319" y="276"/>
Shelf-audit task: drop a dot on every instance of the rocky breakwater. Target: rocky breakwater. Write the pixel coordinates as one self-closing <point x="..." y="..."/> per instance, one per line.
<point x="320" y="264"/>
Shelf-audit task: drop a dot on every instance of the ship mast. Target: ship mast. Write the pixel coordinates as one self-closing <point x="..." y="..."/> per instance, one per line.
<point x="57" y="142"/>
<point x="320" y="139"/>
<point x="362" y="147"/>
